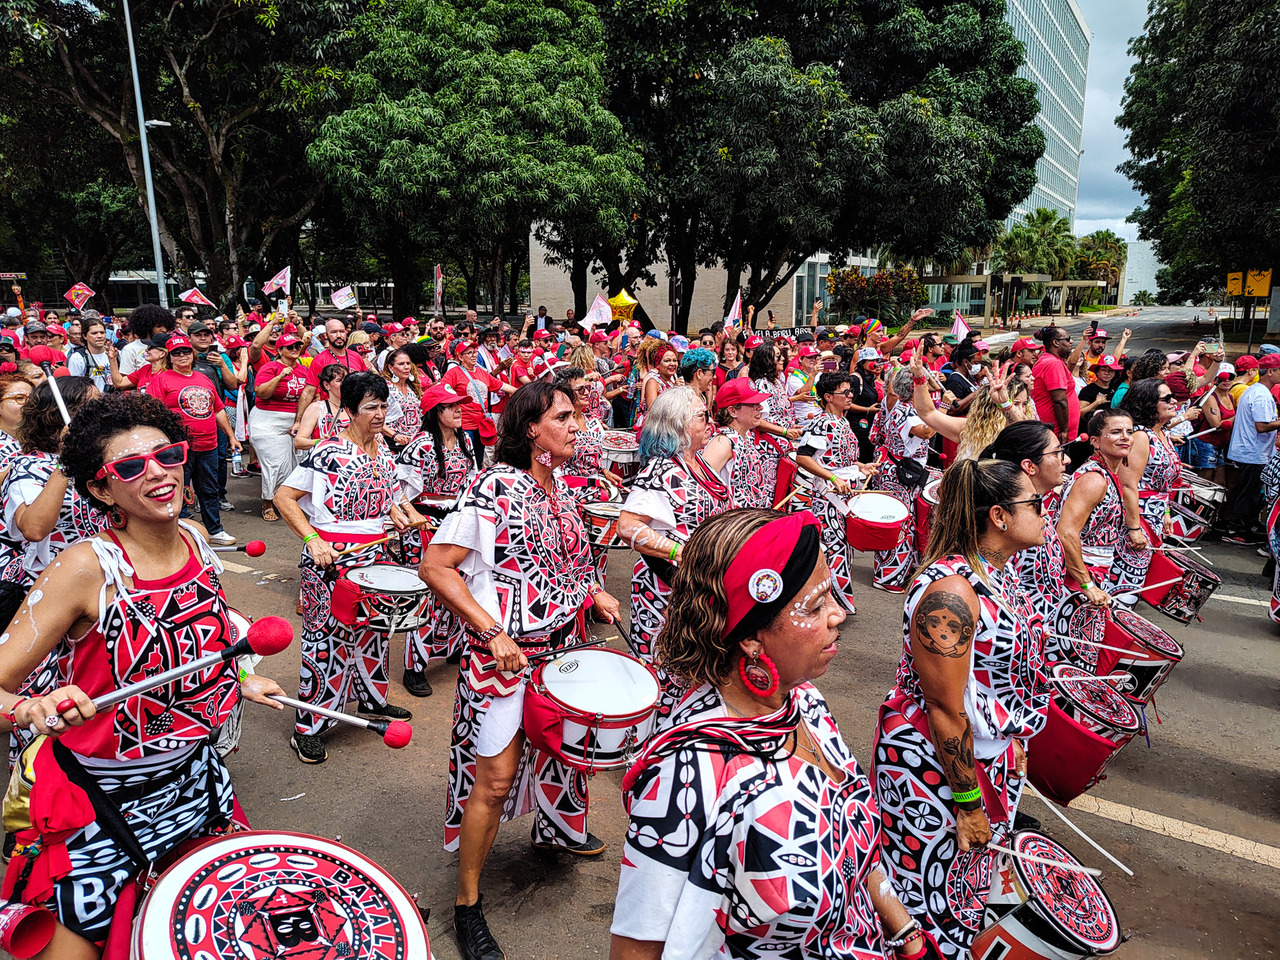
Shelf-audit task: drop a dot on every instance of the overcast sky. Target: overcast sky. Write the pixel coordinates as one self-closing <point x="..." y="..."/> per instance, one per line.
<point x="1105" y="195"/>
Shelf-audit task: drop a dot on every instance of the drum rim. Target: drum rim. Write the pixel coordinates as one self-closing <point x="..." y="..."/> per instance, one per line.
<point x="1182" y="652"/>
<point x="1023" y="867"/>
<point x="410" y="912"/>
<point x="393" y="566"/>
<point x="595" y="508"/>
<point x="1121" y="699"/>
<point x="906" y="510"/>
<point x="601" y="719"/>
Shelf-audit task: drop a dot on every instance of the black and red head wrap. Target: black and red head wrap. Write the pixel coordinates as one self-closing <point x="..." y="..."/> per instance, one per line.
<point x="769" y="571"/>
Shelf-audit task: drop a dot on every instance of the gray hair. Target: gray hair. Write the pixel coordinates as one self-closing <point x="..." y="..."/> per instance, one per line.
<point x="904" y="385"/>
<point x="666" y="425"/>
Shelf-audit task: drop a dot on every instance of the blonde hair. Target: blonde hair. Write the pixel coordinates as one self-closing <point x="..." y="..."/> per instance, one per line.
<point x="648" y="352"/>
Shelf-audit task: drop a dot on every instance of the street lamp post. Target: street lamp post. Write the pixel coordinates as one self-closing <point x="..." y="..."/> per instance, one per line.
<point x="146" y="162"/>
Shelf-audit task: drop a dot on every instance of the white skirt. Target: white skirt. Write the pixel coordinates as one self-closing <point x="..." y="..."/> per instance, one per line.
<point x="269" y="434"/>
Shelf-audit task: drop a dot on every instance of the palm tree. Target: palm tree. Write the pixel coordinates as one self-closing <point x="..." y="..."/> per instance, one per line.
<point x="1054" y="240"/>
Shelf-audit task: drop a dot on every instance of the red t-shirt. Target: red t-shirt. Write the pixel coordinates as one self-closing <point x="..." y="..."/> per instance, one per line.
<point x="140" y="377"/>
<point x="478" y="383"/>
<point x="195" y="400"/>
<point x="1051" y="373"/>
<point x="288" y="390"/>
<point x="352" y="361"/>
<point x="519" y="370"/>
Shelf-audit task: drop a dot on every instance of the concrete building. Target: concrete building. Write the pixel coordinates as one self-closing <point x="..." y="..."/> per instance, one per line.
<point x="1056" y="39"/>
<point x="1140" y="270"/>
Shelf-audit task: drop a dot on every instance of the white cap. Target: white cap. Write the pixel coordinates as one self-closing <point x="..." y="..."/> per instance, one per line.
<point x="868" y="353"/>
<point x="13" y="312"/>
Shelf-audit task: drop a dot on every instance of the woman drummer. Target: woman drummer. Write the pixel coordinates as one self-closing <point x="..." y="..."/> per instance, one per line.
<point x="1097" y="540"/>
<point x="404" y="398"/>
<point x="434" y="469"/>
<point x="1154" y="461"/>
<point x="338" y="499"/>
<point x="513" y="563"/>
<point x="674" y="492"/>
<point x="584" y="471"/>
<point x="752" y="446"/>
<point x="828" y="454"/>
<point x="750" y="781"/>
<point x="949" y="753"/>
<point x="139" y="598"/>
<point x="904" y="438"/>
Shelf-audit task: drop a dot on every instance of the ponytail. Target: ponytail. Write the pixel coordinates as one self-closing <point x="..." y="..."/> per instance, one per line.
<point x="1024" y="440"/>
<point x="970" y="488"/>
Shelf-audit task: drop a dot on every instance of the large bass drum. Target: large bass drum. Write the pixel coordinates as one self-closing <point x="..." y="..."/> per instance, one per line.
<point x="261" y="895"/>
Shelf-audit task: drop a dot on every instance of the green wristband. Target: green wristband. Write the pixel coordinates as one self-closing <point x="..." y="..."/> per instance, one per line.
<point x="672" y="555"/>
<point x="968" y="796"/>
<point x="309" y="537"/>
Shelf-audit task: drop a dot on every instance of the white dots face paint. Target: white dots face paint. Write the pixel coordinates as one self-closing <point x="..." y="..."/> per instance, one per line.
<point x="800" y="614"/>
<point x="4" y="638"/>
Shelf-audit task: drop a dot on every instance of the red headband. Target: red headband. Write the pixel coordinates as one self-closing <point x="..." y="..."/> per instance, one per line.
<point x="769" y="570"/>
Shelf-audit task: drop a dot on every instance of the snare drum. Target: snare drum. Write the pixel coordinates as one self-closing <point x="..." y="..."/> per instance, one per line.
<point x="591" y="708"/>
<point x="875" y="521"/>
<point x="1183" y="599"/>
<point x="1036" y="911"/>
<point x="787" y="473"/>
<point x="1089" y="721"/>
<point x="390" y="599"/>
<point x="239" y="623"/>
<point x="926" y="500"/>
<point x="601" y="520"/>
<point x="1154" y="654"/>
<point x="620" y="452"/>
<point x="1187" y="525"/>
<point x="262" y="895"/>
<point x="1202" y="497"/>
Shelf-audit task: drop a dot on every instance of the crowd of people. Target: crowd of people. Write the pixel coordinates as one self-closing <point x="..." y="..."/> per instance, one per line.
<point x="476" y="457"/>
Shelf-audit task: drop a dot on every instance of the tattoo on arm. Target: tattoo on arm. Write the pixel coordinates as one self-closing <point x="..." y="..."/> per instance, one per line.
<point x="957" y="758"/>
<point x="944" y="624"/>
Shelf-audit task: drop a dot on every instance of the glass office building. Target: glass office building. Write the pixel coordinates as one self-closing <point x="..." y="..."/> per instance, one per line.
<point x="1056" y="38"/>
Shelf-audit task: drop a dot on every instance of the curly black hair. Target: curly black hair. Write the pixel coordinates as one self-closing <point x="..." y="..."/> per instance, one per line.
<point x="41" y="426"/>
<point x="1143" y="401"/>
<point x="103" y="419"/>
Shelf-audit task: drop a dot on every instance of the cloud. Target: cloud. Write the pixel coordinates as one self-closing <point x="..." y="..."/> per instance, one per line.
<point x="1106" y="195"/>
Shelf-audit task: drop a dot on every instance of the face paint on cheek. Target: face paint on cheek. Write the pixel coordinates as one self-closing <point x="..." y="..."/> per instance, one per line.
<point x="800" y="614"/>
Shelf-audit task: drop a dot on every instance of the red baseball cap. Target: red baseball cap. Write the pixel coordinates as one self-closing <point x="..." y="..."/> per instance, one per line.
<point x="1026" y="343"/>
<point x="806" y="351"/>
<point x="754" y="341"/>
<point x="286" y="340"/>
<point x="738" y="390"/>
<point x="234" y="343"/>
<point x="1099" y="334"/>
<point x="458" y="347"/>
<point x="1110" y="362"/>
<point x="393" y="328"/>
<point x="444" y="395"/>
<point x="179" y="342"/>
<point x="1247" y="362"/>
<point x="598" y="336"/>
<point x="542" y="334"/>
<point x="1270" y="362"/>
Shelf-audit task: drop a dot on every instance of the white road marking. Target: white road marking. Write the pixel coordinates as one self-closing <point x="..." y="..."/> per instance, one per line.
<point x="236" y="567"/>
<point x="1247" y="601"/>
<point x="1252" y="850"/>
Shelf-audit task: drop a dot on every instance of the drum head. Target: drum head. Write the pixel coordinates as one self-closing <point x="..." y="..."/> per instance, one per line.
<point x="1148" y="633"/>
<point x="607" y="682"/>
<point x="386" y="578"/>
<point x="878" y="508"/>
<point x="1072" y="901"/>
<point x="607" y="509"/>
<point x="239" y="624"/>
<point x="931" y="490"/>
<point x="253" y="895"/>
<point x="621" y="440"/>
<point x="1096" y="698"/>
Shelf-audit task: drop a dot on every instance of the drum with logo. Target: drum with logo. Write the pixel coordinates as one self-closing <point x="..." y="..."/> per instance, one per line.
<point x="1151" y="654"/>
<point x="1179" y="586"/>
<point x="926" y="500"/>
<point x="875" y="521"/>
<point x="261" y="895"/>
<point x="591" y="708"/>
<point x="1036" y="911"/>
<point x="1089" y="722"/>
<point x="601" y="521"/>
<point x="620" y="452"/>
<point x="1186" y="525"/>
<point x="381" y="597"/>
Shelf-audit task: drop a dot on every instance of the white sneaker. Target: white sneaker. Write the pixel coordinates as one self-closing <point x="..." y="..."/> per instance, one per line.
<point x="222" y="538"/>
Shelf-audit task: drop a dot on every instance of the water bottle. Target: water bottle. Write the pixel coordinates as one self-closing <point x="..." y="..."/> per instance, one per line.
<point x="237" y="464"/>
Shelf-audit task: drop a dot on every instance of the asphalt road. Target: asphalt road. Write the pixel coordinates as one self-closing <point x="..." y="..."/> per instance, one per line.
<point x="1213" y="763"/>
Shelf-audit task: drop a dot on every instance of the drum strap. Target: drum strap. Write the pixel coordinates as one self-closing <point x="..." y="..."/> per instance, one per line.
<point x="108" y="815"/>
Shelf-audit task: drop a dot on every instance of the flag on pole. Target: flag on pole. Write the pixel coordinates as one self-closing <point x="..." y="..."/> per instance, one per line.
<point x="343" y="298"/>
<point x="78" y="295"/>
<point x="439" y="311"/>
<point x="195" y="296"/>
<point x="959" y="329"/>
<point x="281" y="281"/>
<point x="735" y="312"/>
<point x="600" y="314"/>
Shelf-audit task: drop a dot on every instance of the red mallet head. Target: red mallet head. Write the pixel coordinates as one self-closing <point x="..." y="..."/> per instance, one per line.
<point x="255" y="548"/>
<point x="43" y="354"/>
<point x="270" y="635"/>
<point x="396" y="734"/>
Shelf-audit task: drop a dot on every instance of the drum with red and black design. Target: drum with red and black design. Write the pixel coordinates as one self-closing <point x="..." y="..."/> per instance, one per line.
<point x="926" y="501"/>
<point x="1151" y="655"/>
<point x="259" y="895"/>
<point x="1186" y="525"/>
<point x="1089" y="722"/>
<point x="1178" y="586"/>
<point x="1038" y="911"/>
<point x="1199" y="496"/>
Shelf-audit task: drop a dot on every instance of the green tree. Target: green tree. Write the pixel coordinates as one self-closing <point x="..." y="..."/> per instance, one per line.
<point x="1100" y="255"/>
<point x="1202" y="111"/>
<point x="1143" y="298"/>
<point x="469" y="121"/>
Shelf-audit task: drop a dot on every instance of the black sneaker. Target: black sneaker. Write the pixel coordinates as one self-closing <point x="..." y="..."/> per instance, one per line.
<point x="308" y="748"/>
<point x="593" y="846"/>
<point x="416" y="682"/>
<point x="384" y="711"/>
<point x="475" y="942"/>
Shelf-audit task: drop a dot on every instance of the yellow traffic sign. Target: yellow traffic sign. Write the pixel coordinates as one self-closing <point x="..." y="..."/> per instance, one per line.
<point x="1235" y="284"/>
<point x="1257" y="283"/>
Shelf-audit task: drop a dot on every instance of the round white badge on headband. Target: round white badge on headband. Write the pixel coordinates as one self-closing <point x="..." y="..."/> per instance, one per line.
<point x="765" y="585"/>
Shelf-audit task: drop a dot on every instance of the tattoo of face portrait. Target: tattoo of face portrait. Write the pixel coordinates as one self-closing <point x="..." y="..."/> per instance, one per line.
<point x="944" y="624"/>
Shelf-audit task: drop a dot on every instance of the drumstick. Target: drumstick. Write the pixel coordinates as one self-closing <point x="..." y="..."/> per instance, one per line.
<point x="552" y="654"/>
<point x="355" y="548"/>
<point x="781" y="503"/>
<point x="1084" y="836"/>
<point x="1071" y="867"/>
<point x="1103" y="646"/>
<point x="1109" y="677"/>
<point x="266" y="637"/>
<point x="1189" y="549"/>
<point x="395" y="733"/>
<point x="1152" y="586"/>
<point x="254" y="548"/>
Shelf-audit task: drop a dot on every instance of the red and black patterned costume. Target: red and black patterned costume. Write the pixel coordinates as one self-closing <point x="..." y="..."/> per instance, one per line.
<point x="529" y="567"/>
<point x="831" y="441"/>
<point x="348" y="496"/>
<point x="893" y="568"/>
<point x="1006" y="697"/>
<point x="1162" y="472"/>
<point x="404" y="412"/>
<point x="331" y="422"/>
<point x="1116" y="566"/>
<point x="582" y="473"/>
<point x="753" y="471"/>
<point x="676" y="500"/>
<point x="418" y="468"/>
<point x="151" y="754"/>
<point x="777" y="408"/>
<point x="737" y="848"/>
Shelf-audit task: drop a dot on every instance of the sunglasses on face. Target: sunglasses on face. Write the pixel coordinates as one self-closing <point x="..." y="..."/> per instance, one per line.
<point x="1165" y="398"/>
<point x="1036" y="504"/>
<point x="128" y="469"/>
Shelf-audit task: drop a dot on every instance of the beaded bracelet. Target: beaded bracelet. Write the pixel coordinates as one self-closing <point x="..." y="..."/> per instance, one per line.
<point x="485" y="638"/>
<point x="11" y="713"/>
<point x="904" y="935"/>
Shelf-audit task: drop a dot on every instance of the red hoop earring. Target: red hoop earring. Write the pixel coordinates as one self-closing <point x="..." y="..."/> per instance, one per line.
<point x="117" y="517"/>
<point x="758" y="674"/>
<point x="188" y="496"/>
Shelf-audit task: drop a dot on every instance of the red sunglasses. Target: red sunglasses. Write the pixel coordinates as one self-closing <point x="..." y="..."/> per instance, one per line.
<point x="128" y="469"/>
